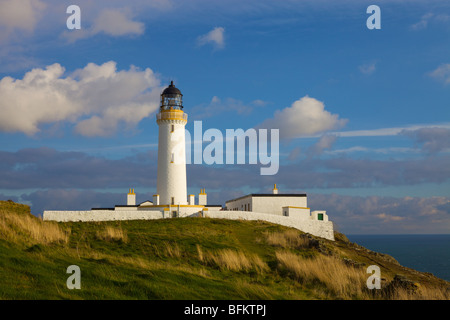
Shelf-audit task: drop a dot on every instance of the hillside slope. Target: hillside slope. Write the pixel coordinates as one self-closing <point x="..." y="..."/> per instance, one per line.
<point x="192" y="258"/>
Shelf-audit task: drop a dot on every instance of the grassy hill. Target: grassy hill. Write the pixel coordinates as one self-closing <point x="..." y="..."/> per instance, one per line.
<point x="192" y="258"/>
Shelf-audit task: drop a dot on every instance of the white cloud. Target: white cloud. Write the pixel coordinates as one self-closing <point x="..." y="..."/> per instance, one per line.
<point x="386" y="131"/>
<point x="426" y="19"/>
<point x="19" y="15"/>
<point x="441" y="73"/>
<point x="116" y="22"/>
<point x="305" y="117"/>
<point x="97" y="99"/>
<point x="215" y="37"/>
<point x="368" y="68"/>
<point x="423" y="23"/>
<point x="113" y="22"/>
<point x="389" y="218"/>
<point x="325" y="142"/>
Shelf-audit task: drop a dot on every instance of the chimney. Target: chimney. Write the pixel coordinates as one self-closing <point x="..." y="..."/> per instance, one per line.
<point x="156" y="199"/>
<point x="202" y="198"/>
<point x="275" y="190"/>
<point x="191" y="200"/>
<point x="131" y="198"/>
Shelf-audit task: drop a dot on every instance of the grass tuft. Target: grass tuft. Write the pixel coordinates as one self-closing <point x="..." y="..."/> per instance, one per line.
<point x="29" y="230"/>
<point x="112" y="234"/>
<point x="287" y="239"/>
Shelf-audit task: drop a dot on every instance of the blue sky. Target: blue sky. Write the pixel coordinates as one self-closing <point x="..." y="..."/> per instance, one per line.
<point x="77" y="107"/>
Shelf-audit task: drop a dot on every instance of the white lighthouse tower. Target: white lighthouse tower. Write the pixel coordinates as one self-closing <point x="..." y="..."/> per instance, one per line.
<point x="171" y="177"/>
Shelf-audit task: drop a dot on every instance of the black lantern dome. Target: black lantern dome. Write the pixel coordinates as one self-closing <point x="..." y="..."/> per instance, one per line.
<point x="171" y="98"/>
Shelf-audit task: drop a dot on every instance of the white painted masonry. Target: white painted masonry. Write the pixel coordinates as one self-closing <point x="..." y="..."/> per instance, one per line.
<point x="323" y="229"/>
<point x="171" y="177"/>
<point x="131" y="198"/>
<point x="267" y="203"/>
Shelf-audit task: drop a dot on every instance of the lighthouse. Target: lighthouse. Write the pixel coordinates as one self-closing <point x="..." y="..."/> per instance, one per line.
<point x="171" y="201"/>
<point x="171" y="176"/>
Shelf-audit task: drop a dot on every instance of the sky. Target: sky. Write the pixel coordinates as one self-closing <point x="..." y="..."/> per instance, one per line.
<point x="363" y="114"/>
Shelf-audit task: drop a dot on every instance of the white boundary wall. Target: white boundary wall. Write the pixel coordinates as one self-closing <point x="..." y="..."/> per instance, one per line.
<point x="120" y="214"/>
<point x="101" y="215"/>
<point x="317" y="228"/>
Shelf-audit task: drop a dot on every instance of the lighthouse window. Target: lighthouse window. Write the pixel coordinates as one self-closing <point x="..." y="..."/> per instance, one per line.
<point x="172" y="158"/>
<point x="173" y="128"/>
<point x="173" y="200"/>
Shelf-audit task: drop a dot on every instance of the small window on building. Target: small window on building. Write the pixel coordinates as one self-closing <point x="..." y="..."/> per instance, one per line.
<point x="173" y="200"/>
<point x="174" y="214"/>
<point x="248" y="206"/>
<point x="172" y="128"/>
<point x="320" y="216"/>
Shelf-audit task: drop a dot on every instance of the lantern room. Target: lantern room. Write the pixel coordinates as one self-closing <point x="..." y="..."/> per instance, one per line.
<point x="171" y="98"/>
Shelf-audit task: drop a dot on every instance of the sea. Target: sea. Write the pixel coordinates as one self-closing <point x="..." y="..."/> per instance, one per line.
<point x="424" y="252"/>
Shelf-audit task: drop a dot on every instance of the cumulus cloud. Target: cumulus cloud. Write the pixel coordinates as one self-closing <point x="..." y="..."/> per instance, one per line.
<point x="20" y="15"/>
<point x="97" y="98"/>
<point x="432" y="140"/>
<point x="441" y="73"/>
<point x="325" y="142"/>
<point x="214" y="37"/>
<point x="114" y="22"/>
<point x="304" y="117"/>
<point x="423" y="22"/>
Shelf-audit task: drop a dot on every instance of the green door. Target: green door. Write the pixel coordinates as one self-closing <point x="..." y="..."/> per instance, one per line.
<point x="320" y="216"/>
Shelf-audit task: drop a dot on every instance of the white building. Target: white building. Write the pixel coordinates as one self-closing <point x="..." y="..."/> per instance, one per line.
<point x="172" y="201"/>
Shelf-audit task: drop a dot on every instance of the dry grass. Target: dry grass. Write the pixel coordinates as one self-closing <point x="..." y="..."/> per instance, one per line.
<point x="344" y="281"/>
<point x="347" y="282"/>
<point x="167" y="250"/>
<point x="201" y="257"/>
<point x="423" y="293"/>
<point x="287" y="239"/>
<point x="172" y="250"/>
<point x="112" y="234"/>
<point x="234" y="260"/>
<point x="26" y="228"/>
